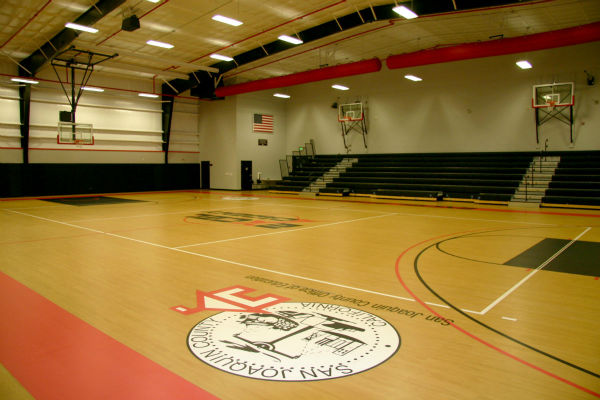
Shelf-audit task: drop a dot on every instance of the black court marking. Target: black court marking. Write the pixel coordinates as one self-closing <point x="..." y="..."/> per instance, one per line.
<point x="581" y="258"/>
<point x="458" y="310"/>
<point x="91" y="201"/>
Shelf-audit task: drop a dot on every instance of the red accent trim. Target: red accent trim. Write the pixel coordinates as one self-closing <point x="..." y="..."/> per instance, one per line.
<point x="56" y="355"/>
<point x="472" y="336"/>
<point x="539" y="41"/>
<point x="26" y="23"/>
<point x="315" y="75"/>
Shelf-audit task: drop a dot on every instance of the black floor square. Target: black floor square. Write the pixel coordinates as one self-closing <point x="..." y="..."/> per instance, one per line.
<point x="582" y="258"/>
<point x="91" y="201"/>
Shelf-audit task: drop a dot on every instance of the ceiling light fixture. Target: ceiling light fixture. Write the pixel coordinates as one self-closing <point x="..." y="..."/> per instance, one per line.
<point x="220" y="57"/>
<point x="413" y="78"/>
<point x="153" y="1"/>
<point x="281" y="95"/>
<point x="81" y="27"/>
<point x="340" y="87"/>
<point x="227" y="20"/>
<point x="149" y="95"/>
<point x="92" y="89"/>
<point x="160" y="44"/>
<point x="523" y="64"/>
<point x="23" y="80"/>
<point x="405" y="12"/>
<point x="290" y="39"/>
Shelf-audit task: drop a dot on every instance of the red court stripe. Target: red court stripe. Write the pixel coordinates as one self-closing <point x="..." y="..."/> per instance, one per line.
<point x="472" y="336"/>
<point x="56" y="355"/>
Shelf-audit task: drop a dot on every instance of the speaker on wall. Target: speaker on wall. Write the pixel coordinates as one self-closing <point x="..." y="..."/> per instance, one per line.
<point x="130" y="24"/>
<point x="64" y="116"/>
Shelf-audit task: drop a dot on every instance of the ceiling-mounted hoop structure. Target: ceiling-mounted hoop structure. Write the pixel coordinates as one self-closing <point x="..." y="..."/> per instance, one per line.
<point x="352" y="118"/>
<point x="76" y="59"/>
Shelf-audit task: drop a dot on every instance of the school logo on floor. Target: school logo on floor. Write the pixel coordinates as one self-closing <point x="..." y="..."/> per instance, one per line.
<point x="294" y="341"/>
<point x="258" y="220"/>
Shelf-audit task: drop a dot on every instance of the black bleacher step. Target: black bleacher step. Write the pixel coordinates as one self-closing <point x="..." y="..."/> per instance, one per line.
<point x="581" y="201"/>
<point x="429" y="194"/>
<point x="581" y="193"/>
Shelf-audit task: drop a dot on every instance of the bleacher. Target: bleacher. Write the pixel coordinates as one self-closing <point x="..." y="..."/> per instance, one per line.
<point x="305" y="171"/>
<point x="490" y="177"/>
<point x="474" y="177"/>
<point x="576" y="181"/>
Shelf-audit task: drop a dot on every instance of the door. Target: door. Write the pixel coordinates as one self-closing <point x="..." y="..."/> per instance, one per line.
<point x="205" y="174"/>
<point x="246" y="175"/>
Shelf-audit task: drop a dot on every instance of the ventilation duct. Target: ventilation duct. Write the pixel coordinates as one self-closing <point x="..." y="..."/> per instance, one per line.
<point x="315" y="75"/>
<point x="538" y="41"/>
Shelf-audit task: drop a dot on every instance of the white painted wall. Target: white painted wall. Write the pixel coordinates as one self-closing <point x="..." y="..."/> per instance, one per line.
<point x="465" y="106"/>
<point x="217" y="121"/>
<point x="127" y="128"/>
<point x="265" y="159"/>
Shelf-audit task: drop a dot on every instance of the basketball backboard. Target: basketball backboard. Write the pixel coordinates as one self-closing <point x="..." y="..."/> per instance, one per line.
<point x="553" y="95"/>
<point x="350" y="112"/>
<point x="74" y="133"/>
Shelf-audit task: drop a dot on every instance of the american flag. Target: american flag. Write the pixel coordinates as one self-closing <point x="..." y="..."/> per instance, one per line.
<point x="262" y="123"/>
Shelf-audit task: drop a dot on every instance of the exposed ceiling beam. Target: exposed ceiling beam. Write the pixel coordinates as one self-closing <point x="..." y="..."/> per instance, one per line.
<point x="139" y="56"/>
<point x="115" y="65"/>
<point x="66" y="36"/>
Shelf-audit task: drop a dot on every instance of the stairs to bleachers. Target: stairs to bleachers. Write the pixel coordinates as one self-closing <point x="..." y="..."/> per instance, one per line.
<point x="536" y="180"/>
<point x="319" y="184"/>
<point x="306" y="171"/>
<point x="576" y="181"/>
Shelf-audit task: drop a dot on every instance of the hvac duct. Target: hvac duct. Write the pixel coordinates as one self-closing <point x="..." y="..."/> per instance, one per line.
<point x="315" y="75"/>
<point x="538" y="41"/>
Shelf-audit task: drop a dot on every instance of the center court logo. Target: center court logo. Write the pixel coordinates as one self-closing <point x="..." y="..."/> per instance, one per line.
<point x="294" y="342"/>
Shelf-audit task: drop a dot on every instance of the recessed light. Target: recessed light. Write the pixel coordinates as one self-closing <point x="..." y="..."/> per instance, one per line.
<point x="149" y="95"/>
<point x="160" y="44"/>
<point x="524" y="64"/>
<point x="405" y="12"/>
<point x="81" y="27"/>
<point x="220" y="57"/>
<point x="227" y="20"/>
<point x="281" y="95"/>
<point x="340" y="87"/>
<point x="290" y="39"/>
<point x="413" y="78"/>
<point x="92" y="89"/>
<point x="23" y="80"/>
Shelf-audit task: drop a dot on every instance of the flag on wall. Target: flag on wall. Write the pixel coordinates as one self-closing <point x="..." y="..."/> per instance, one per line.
<point x="262" y="123"/>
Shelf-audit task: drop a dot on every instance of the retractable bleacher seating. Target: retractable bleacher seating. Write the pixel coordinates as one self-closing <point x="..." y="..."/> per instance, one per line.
<point x="490" y="177"/>
<point x="576" y="181"/>
<point x="306" y="170"/>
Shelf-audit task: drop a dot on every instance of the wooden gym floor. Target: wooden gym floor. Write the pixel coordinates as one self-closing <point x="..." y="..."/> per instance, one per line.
<point x="233" y="295"/>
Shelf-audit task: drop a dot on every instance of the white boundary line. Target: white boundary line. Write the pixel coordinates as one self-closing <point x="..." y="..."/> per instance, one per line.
<point x="234" y="262"/>
<point x="285" y="231"/>
<point x="540" y="267"/>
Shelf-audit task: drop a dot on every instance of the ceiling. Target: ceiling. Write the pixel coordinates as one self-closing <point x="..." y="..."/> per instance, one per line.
<point x="335" y="32"/>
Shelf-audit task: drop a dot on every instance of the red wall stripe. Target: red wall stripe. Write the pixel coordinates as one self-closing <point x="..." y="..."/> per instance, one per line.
<point x="315" y="75"/>
<point x="538" y="41"/>
<point x="56" y="355"/>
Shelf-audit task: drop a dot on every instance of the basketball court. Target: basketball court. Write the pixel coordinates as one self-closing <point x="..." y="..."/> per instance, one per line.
<point x="219" y="294"/>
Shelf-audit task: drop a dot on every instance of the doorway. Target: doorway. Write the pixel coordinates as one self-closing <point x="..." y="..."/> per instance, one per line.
<point x="205" y="174"/>
<point x="246" y="175"/>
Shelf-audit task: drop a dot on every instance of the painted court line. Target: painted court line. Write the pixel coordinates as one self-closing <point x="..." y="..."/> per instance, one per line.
<point x="280" y="232"/>
<point x="533" y="272"/>
<point x="237" y="263"/>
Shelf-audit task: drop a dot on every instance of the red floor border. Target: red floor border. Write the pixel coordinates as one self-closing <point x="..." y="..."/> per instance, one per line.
<point x="56" y="355"/>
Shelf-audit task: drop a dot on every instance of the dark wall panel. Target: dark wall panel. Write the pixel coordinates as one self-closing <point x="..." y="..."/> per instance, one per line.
<point x="63" y="179"/>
